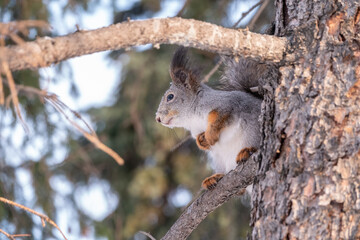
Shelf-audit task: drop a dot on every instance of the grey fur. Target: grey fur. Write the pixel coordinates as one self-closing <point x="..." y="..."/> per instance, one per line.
<point x="193" y="101"/>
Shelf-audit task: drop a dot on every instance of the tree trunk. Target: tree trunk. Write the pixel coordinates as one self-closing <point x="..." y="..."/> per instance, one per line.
<point x="308" y="184"/>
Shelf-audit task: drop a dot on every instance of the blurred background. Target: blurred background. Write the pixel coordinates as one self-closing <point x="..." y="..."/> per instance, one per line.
<point x="54" y="170"/>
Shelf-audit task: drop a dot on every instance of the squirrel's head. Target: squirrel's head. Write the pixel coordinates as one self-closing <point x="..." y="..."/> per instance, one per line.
<point x="176" y="104"/>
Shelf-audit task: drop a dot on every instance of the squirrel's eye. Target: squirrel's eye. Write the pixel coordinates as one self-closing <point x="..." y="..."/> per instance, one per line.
<point x="170" y="97"/>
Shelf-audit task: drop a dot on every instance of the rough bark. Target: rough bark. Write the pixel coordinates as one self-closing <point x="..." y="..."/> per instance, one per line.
<point x="187" y="32"/>
<point x="308" y="184"/>
<point x="230" y="185"/>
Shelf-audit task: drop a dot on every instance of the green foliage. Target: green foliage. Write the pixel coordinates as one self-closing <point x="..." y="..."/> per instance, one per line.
<point x="154" y="173"/>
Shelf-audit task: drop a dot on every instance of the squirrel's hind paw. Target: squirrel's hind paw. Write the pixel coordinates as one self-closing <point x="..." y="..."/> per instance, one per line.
<point x="210" y="183"/>
<point x="244" y="154"/>
<point x="202" y="142"/>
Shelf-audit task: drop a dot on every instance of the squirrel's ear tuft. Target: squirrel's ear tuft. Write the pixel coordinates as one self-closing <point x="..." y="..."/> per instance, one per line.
<point x="181" y="73"/>
<point x="180" y="59"/>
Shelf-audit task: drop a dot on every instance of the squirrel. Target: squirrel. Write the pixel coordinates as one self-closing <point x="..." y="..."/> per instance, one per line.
<point x="224" y="122"/>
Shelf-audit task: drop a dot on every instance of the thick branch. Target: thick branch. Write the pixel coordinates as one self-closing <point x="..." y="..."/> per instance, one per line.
<point x="187" y="32"/>
<point x="229" y="186"/>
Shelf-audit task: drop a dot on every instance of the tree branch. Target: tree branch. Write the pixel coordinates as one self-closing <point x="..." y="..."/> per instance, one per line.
<point x="9" y="236"/>
<point x="188" y="32"/>
<point x="231" y="184"/>
<point x="42" y="216"/>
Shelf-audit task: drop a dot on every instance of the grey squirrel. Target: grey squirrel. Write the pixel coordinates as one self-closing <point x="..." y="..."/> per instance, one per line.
<point x="223" y="122"/>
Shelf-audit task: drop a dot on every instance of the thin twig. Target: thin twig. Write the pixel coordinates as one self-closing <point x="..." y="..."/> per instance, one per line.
<point x="216" y="67"/>
<point x="2" y="97"/>
<point x="18" y="40"/>
<point x="36" y="91"/>
<point x="42" y="216"/>
<point x="212" y="71"/>
<point x="92" y="137"/>
<point x="2" y="41"/>
<point x="180" y="13"/>
<point x="21" y="26"/>
<point x="9" y="236"/>
<point x="257" y="15"/>
<point x="61" y="108"/>
<point x="21" y="235"/>
<point x="13" y="92"/>
<point x="247" y="13"/>
<point x="180" y="143"/>
<point x="148" y="235"/>
<point x="62" y="105"/>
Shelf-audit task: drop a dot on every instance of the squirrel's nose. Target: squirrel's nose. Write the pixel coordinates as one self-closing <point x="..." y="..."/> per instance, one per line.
<point x="158" y="119"/>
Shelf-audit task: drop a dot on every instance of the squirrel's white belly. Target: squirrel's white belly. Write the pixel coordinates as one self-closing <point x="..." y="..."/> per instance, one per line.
<point x="196" y="126"/>
<point x="223" y="154"/>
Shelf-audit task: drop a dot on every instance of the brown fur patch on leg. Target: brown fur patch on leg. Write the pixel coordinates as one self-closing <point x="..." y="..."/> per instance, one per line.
<point x="244" y="154"/>
<point x="216" y="122"/>
<point x="241" y="192"/>
<point x="210" y="183"/>
<point x="201" y="141"/>
<point x="213" y="116"/>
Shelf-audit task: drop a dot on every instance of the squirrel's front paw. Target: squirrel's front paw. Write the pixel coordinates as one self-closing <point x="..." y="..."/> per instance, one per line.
<point x="202" y="142"/>
<point x="244" y="154"/>
<point x="210" y="183"/>
<point x="212" y="137"/>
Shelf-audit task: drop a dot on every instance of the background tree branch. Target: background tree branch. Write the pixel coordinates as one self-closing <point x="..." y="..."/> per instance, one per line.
<point x="230" y="185"/>
<point x="188" y="32"/>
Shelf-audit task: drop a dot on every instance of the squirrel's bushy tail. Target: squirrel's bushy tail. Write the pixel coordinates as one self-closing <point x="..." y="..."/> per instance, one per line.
<point x="243" y="75"/>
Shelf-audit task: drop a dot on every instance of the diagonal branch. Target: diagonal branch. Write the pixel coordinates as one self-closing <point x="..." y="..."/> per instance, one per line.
<point x="258" y="13"/>
<point x="22" y="26"/>
<point x="13" y="236"/>
<point x="9" y="236"/>
<point x="89" y="134"/>
<point x="42" y="216"/>
<point x="243" y="15"/>
<point x="188" y="32"/>
<point x="230" y="185"/>
<point x="13" y="93"/>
